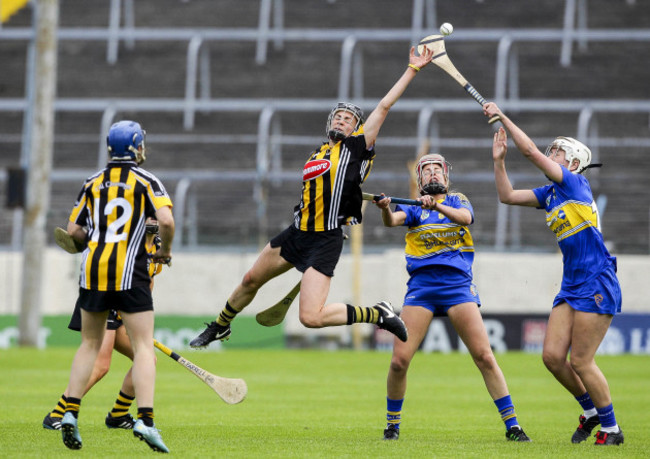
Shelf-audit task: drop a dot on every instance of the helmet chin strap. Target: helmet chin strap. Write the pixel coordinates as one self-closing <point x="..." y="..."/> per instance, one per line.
<point x="434" y="188"/>
<point x="336" y="135"/>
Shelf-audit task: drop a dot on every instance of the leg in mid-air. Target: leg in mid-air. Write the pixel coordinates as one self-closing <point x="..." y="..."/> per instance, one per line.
<point x="314" y="313"/>
<point x="468" y="323"/>
<point x="269" y="264"/>
<point x="417" y="320"/>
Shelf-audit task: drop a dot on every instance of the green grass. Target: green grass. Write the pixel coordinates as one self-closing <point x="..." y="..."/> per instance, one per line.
<point x="321" y="404"/>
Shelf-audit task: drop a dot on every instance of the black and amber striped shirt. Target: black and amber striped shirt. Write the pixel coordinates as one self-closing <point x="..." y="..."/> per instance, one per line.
<point x="331" y="185"/>
<point x="113" y="205"/>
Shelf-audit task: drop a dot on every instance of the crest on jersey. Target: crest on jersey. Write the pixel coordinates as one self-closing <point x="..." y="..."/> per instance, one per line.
<point x="424" y="215"/>
<point x="315" y="168"/>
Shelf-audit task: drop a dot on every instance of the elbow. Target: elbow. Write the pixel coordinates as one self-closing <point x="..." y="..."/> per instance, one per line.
<point x="506" y="200"/>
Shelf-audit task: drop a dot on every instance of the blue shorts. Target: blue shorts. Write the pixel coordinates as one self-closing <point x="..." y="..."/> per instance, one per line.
<point x="601" y="295"/>
<point x="438" y="288"/>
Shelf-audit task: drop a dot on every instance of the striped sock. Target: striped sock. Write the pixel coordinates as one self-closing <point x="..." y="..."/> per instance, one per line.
<point x="72" y="406"/>
<point x="227" y="315"/>
<point x="59" y="409"/>
<point x="587" y="405"/>
<point x="394" y="412"/>
<point x="607" y="419"/>
<point x="360" y="314"/>
<point x="146" y="415"/>
<point x="507" y="411"/>
<point x="122" y="404"/>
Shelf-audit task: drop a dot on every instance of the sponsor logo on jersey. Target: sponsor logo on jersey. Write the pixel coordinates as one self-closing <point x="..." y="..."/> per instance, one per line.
<point x="109" y="184"/>
<point x="315" y="168"/>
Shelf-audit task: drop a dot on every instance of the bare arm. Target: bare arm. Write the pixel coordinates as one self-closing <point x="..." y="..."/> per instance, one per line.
<point x="461" y="216"/>
<point x="388" y="217"/>
<point x="166" y="232"/>
<point x="507" y="194"/>
<point x="525" y="145"/>
<point x="378" y="116"/>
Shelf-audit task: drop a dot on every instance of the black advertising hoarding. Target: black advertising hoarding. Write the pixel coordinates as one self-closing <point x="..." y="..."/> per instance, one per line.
<point x="629" y="333"/>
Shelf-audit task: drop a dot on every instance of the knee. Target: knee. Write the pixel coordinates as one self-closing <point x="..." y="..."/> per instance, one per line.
<point x="553" y="362"/>
<point x="310" y="319"/>
<point x="101" y="368"/>
<point x="578" y="364"/>
<point x="249" y="282"/>
<point x="485" y="360"/>
<point x="399" y="364"/>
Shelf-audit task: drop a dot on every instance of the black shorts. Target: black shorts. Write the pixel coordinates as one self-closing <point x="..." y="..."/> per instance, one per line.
<point x="113" y="322"/>
<point x="136" y="299"/>
<point x="320" y="250"/>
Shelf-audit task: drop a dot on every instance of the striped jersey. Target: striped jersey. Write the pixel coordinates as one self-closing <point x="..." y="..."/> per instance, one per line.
<point x="331" y="185"/>
<point x="433" y="239"/>
<point x="572" y="215"/>
<point x="113" y="205"/>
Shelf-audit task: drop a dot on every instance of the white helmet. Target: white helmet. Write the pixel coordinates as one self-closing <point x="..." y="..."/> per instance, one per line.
<point x="573" y="150"/>
<point x="432" y="158"/>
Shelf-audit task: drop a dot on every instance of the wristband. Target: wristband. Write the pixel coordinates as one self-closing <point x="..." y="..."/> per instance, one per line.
<point x="414" y="67"/>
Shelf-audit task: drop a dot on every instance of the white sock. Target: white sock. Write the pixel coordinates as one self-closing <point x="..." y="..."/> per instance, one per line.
<point x="591" y="413"/>
<point x="613" y="429"/>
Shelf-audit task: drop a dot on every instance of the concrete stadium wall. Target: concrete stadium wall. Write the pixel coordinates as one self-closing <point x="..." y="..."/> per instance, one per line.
<point x="199" y="283"/>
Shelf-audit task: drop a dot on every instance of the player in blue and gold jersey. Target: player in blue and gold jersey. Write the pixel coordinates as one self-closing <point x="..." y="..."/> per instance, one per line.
<point x="590" y="294"/>
<point x="330" y="198"/>
<point x="439" y="257"/>
<point x="110" y="216"/>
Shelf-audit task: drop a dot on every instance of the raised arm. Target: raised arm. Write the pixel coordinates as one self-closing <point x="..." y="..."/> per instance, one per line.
<point x="507" y="194"/>
<point x="378" y="116"/>
<point x="525" y="145"/>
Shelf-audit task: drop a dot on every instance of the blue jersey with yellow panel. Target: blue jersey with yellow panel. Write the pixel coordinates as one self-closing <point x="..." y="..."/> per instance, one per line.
<point x="572" y="215"/>
<point x="433" y="239"/>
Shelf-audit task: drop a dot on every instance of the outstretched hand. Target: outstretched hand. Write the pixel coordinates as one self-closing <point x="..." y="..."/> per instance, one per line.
<point x="422" y="60"/>
<point x="500" y="145"/>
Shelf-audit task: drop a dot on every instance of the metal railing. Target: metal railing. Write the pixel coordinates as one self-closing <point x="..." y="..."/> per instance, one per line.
<point x="269" y="140"/>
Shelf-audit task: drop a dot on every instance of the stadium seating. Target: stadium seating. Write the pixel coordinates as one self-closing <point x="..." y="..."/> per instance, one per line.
<point x="210" y="80"/>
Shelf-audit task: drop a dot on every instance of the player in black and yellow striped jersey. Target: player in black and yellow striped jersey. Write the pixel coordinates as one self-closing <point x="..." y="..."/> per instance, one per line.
<point x="439" y="256"/>
<point x="110" y="216"/>
<point x="330" y="198"/>
<point x="115" y="338"/>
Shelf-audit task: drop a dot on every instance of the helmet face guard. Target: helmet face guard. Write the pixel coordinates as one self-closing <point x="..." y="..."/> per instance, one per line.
<point x="573" y="151"/>
<point x="125" y="142"/>
<point x="354" y="110"/>
<point x="433" y="187"/>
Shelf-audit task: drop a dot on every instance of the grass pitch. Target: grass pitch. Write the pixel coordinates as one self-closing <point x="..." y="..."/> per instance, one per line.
<point x="321" y="404"/>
